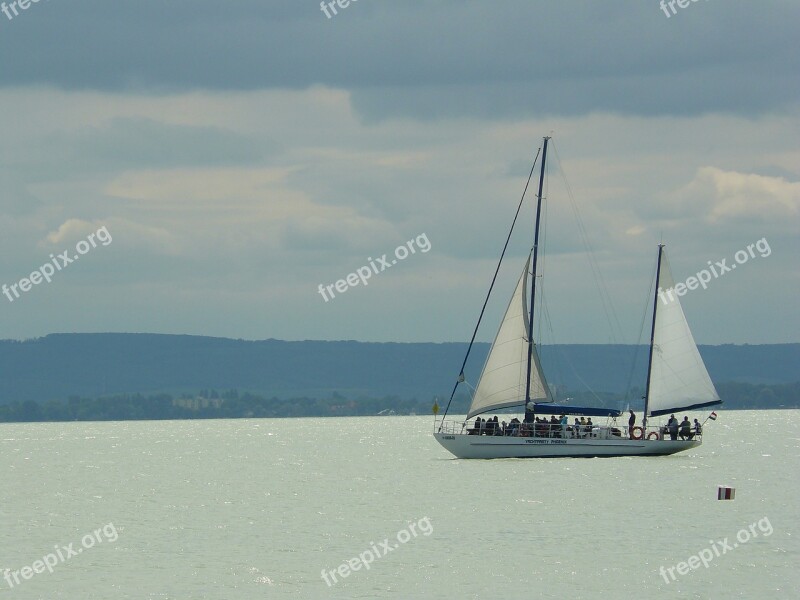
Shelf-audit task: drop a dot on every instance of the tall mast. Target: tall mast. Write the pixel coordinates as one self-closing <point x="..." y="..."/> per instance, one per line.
<point x="529" y="414"/>
<point x="652" y="338"/>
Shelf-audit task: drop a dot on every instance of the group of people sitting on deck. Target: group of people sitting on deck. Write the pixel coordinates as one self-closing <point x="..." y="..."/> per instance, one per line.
<point x="684" y="429"/>
<point x="488" y="427"/>
<point x="540" y="427"/>
<point x="582" y="427"/>
<point x="493" y="427"/>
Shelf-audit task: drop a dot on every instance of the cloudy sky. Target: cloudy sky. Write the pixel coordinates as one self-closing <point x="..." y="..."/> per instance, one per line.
<point x="240" y="154"/>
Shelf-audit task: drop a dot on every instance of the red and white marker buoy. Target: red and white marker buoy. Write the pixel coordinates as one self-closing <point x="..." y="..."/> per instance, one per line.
<point x="725" y="493"/>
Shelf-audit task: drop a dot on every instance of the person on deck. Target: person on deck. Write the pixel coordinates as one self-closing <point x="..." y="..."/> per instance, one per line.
<point x="686" y="428"/>
<point x="631" y="423"/>
<point x="589" y="427"/>
<point x="698" y="429"/>
<point x="564" y="423"/>
<point x="672" y="427"/>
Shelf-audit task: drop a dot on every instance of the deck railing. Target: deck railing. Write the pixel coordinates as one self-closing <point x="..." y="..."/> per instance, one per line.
<point x="556" y="430"/>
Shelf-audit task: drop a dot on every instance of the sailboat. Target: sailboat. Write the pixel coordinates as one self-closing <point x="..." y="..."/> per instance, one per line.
<point x="512" y="376"/>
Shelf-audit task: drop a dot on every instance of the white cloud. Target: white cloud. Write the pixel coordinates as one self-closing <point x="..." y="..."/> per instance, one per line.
<point x="748" y="195"/>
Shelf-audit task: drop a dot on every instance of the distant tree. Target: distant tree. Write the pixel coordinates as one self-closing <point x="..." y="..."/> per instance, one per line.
<point x="30" y="411"/>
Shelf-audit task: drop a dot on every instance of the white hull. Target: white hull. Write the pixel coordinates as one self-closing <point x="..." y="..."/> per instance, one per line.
<point x="483" y="446"/>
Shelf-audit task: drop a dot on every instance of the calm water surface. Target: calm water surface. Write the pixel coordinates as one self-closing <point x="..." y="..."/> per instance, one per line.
<point x="247" y="509"/>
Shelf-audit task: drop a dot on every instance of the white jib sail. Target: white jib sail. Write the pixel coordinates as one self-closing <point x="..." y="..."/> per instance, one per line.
<point x="502" y="382"/>
<point x="678" y="378"/>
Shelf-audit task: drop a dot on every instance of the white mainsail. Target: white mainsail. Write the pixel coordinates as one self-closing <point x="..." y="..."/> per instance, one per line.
<point x="502" y="382"/>
<point x="678" y="377"/>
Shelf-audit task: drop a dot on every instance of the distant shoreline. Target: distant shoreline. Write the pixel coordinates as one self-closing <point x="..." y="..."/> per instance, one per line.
<point x="231" y="404"/>
<point x="61" y="366"/>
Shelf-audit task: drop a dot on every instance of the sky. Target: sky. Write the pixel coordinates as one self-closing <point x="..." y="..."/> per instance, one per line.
<point x="214" y="165"/>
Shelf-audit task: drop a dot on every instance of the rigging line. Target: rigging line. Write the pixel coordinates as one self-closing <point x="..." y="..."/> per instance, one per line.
<point x="605" y="299"/>
<point x="544" y="314"/>
<point x="491" y="286"/>
<point x="539" y="340"/>
<point x="545" y="321"/>
<point x="543" y="256"/>
<point x="543" y="252"/>
<point x="546" y="328"/>
<point x="567" y="360"/>
<point x="638" y="347"/>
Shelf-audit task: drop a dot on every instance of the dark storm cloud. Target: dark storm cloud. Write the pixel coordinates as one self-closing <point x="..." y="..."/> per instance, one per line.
<point x="505" y="58"/>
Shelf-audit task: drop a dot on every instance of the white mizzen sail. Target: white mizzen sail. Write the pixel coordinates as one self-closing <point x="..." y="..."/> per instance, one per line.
<point x="502" y="382"/>
<point x="678" y="379"/>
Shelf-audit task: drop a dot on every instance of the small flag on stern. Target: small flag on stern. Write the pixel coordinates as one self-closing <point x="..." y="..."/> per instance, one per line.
<point x="713" y="416"/>
<point x="725" y="493"/>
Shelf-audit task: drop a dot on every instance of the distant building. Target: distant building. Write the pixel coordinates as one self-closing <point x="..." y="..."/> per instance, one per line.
<point x="197" y="403"/>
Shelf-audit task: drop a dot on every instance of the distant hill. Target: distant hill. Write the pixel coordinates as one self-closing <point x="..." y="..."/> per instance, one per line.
<point x="58" y="366"/>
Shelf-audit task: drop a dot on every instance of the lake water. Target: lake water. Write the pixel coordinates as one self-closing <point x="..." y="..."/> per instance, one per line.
<point x="255" y="509"/>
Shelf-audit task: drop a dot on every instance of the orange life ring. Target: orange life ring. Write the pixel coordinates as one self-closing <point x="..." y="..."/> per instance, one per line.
<point x="637" y="436"/>
<point x="651" y="434"/>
